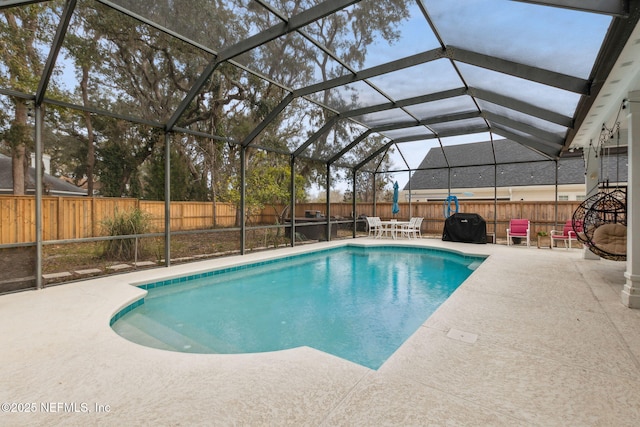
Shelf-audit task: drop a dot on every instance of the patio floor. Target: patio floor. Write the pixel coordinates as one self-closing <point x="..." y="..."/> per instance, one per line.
<point x="533" y="337"/>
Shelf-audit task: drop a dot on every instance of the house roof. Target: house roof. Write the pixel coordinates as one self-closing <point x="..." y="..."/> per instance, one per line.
<point x="515" y="165"/>
<point x="53" y="185"/>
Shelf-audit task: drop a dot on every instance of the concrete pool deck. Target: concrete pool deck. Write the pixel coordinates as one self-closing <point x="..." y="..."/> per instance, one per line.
<point x="533" y="337"/>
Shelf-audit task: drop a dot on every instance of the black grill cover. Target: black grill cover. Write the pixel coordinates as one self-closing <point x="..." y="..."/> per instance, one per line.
<point x="466" y="228"/>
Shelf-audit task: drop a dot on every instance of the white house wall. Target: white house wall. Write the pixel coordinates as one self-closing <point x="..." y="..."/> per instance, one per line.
<point x="534" y="192"/>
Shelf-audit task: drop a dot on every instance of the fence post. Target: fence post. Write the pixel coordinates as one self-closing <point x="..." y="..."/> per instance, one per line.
<point x="61" y="218"/>
<point x="94" y="226"/>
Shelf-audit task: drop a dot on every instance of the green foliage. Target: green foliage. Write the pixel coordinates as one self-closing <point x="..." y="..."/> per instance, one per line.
<point x="185" y="185"/>
<point x="21" y="29"/>
<point x="268" y="182"/>
<point x="120" y="156"/>
<point x="18" y="134"/>
<point x="115" y="167"/>
<point x="126" y="223"/>
<point x="126" y="67"/>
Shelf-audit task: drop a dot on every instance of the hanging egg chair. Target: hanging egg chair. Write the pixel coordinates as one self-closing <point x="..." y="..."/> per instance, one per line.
<point x="604" y="224"/>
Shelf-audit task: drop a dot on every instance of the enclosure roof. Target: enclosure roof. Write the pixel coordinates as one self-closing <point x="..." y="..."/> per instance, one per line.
<point x="403" y="73"/>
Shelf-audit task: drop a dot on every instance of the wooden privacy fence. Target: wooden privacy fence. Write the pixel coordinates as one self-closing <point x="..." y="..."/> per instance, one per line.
<point x="541" y="214"/>
<point x="81" y="217"/>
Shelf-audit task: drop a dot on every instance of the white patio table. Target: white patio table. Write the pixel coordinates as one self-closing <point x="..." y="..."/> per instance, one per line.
<point x="392" y="226"/>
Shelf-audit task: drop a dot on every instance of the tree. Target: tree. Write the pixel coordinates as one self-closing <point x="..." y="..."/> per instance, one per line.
<point x="349" y="33"/>
<point x="268" y="183"/>
<point x="125" y="66"/>
<point x="21" y="29"/>
<point x="129" y="68"/>
<point x="185" y="183"/>
<point x="69" y="153"/>
<point x="86" y="52"/>
<point x="121" y="155"/>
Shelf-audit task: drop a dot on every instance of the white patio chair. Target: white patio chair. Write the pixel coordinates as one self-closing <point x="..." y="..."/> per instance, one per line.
<point x="413" y="228"/>
<point x="418" y="225"/>
<point x="405" y="229"/>
<point x="375" y="226"/>
<point x="385" y="229"/>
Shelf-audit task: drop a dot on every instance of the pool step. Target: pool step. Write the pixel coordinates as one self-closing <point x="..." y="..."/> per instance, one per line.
<point x="147" y="331"/>
<point x="132" y="333"/>
<point x="161" y="333"/>
<point x="474" y="265"/>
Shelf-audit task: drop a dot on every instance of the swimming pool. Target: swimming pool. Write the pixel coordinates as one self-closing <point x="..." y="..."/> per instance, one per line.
<point x="358" y="303"/>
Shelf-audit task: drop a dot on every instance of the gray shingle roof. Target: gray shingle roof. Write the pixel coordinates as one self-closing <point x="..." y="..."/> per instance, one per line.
<point x="515" y="166"/>
<point x="55" y="186"/>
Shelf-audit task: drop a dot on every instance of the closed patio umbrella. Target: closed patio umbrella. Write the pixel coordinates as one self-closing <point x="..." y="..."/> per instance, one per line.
<point x="395" y="208"/>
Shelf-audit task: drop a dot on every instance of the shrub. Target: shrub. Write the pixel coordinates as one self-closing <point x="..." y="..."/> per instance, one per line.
<point x="133" y="221"/>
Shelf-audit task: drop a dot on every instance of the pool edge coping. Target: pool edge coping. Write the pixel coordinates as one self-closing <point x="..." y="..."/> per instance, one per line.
<point x="138" y="300"/>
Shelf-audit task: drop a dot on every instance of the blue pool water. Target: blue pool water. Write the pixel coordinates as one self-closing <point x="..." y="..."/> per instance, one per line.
<point x="357" y="303"/>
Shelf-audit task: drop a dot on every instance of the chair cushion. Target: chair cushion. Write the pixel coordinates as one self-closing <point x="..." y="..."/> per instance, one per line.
<point x="611" y="238"/>
<point x="518" y="227"/>
<point x="569" y="226"/>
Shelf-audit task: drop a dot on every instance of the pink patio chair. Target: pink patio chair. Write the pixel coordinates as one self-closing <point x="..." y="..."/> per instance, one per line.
<point x="518" y="228"/>
<point x="568" y="233"/>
